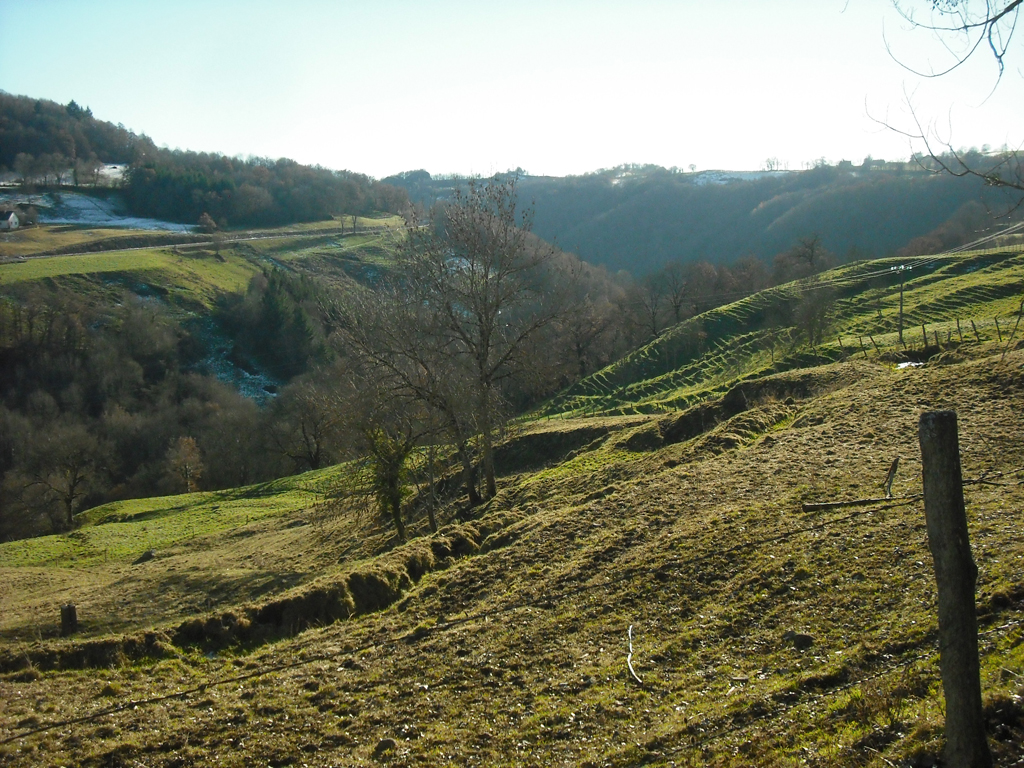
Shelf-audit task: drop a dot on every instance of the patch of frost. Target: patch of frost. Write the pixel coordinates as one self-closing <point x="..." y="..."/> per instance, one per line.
<point x="723" y="177"/>
<point x="86" y="210"/>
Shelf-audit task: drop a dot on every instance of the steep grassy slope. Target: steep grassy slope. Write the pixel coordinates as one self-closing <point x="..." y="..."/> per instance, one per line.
<point x="757" y="335"/>
<point x="503" y="640"/>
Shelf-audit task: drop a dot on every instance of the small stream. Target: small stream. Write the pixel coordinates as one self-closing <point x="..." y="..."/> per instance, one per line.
<point x="219" y="363"/>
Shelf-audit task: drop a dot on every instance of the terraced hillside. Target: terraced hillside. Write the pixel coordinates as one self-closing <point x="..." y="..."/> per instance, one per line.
<point x="762" y="334"/>
<point x="646" y="588"/>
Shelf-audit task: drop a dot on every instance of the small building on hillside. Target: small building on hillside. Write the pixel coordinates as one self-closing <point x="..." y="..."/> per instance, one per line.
<point x="9" y="220"/>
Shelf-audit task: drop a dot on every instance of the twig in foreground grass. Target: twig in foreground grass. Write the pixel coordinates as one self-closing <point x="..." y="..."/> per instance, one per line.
<point x="629" y="656"/>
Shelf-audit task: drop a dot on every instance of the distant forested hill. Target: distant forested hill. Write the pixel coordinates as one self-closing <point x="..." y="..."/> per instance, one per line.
<point x="641" y="218"/>
<point x="34" y="128"/>
<point x="51" y="144"/>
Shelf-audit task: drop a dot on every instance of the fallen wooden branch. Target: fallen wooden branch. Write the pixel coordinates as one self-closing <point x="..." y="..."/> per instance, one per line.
<point x="812" y="507"/>
<point x="983" y="479"/>
<point x="629" y="657"/>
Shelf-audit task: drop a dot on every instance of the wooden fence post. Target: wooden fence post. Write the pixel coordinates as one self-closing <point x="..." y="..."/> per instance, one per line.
<point x="955" y="576"/>
<point x="68" y="620"/>
<point x="1020" y="314"/>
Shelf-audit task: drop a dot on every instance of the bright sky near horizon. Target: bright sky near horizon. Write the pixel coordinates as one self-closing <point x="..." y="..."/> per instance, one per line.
<point x="555" y="87"/>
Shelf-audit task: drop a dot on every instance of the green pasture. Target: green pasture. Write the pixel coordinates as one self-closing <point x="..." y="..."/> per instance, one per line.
<point x="341" y="224"/>
<point x="198" y="274"/>
<point x="364" y="248"/>
<point x="190" y="276"/>
<point x="706" y="354"/>
<point x="49" y="237"/>
<point x="122" y="530"/>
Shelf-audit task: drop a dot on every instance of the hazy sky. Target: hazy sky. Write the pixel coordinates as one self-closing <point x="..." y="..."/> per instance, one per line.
<point x="556" y="87"/>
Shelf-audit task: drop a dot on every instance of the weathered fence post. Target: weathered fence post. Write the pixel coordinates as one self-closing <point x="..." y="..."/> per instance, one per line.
<point x="1020" y="314"/>
<point x="68" y="620"/>
<point x="1016" y="325"/>
<point x="955" y="576"/>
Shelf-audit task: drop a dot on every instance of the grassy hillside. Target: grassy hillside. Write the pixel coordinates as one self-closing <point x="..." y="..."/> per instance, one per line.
<point x="668" y="530"/>
<point x="64" y="238"/>
<point x="708" y="353"/>
<point x="187" y="273"/>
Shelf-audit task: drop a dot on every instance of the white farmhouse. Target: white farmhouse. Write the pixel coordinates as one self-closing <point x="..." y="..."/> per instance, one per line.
<point x="9" y="220"/>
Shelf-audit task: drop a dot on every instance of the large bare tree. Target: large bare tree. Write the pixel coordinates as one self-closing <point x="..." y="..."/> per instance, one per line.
<point x="64" y="461"/>
<point x="398" y="348"/>
<point x="455" y="319"/>
<point x="490" y="284"/>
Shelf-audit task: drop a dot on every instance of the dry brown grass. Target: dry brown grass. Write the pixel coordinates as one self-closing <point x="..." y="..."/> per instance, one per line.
<point x="515" y="654"/>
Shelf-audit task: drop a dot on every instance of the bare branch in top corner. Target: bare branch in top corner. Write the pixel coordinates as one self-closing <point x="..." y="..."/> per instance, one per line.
<point x="977" y="23"/>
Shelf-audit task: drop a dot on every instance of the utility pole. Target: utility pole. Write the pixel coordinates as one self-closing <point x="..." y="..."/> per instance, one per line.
<point x="901" y="269"/>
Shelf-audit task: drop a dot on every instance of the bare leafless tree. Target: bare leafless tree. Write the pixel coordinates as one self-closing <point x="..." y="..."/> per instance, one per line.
<point x="306" y="430"/>
<point x="64" y="462"/>
<point x="647" y="299"/>
<point x="584" y="330"/>
<point x="813" y="312"/>
<point x="185" y="463"/>
<point x="489" y="287"/>
<point x="385" y="424"/>
<point x="456" y="319"/>
<point x="393" y="336"/>
<point x="676" y="287"/>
